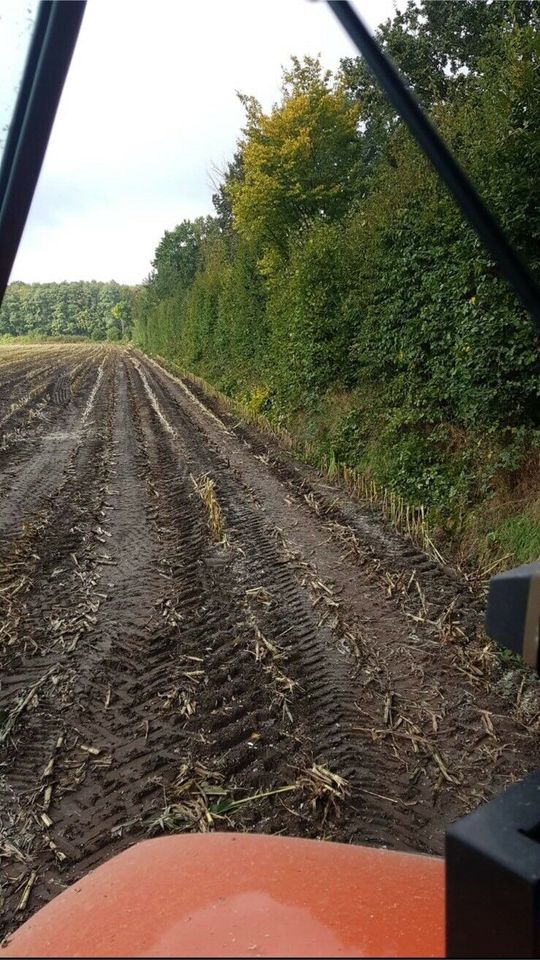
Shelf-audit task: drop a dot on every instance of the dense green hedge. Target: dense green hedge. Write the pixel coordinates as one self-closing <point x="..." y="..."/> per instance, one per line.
<point x="382" y="332"/>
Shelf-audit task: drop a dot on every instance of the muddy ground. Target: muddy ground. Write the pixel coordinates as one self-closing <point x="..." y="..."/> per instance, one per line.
<point x="198" y="632"/>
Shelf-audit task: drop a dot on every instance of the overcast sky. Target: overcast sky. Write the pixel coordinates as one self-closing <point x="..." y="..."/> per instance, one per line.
<point x="149" y="111"/>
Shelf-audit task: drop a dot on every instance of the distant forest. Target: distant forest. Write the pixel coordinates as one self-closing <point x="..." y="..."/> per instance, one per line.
<point x="101" y="311"/>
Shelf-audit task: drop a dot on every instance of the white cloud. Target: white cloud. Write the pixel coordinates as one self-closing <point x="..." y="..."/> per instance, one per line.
<point x="148" y="110"/>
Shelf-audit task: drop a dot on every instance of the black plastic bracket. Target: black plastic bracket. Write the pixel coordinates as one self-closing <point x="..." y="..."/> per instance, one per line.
<point x="493" y="877"/>
<point x="493" y="855"/>
<point x="513" y="611"/>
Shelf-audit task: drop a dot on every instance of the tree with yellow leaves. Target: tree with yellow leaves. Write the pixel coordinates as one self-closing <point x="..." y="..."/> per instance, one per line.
<point x="300" y="161"/>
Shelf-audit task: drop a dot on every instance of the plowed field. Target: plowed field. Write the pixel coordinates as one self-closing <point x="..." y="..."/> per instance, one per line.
<point x="198" y="632"/>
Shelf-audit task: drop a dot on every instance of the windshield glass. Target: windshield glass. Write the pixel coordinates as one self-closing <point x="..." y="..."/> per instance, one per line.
<point x="16" y="23"/>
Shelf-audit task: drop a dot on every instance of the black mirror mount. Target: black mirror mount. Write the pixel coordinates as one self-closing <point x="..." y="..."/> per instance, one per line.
<point x="513" y="611"/>
<point x="493" y="877"/>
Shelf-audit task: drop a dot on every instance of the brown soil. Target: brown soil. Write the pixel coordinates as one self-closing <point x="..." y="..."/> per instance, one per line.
<point x="155" y="673"/>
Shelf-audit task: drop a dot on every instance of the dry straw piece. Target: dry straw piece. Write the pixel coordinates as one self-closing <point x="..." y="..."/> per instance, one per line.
<point x="205" y="488"/>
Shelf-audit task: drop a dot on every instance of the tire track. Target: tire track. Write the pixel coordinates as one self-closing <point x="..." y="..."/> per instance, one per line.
<point x="33" y="468"/>
<point x="413" y="669"/>
<point x="314" y="657"/>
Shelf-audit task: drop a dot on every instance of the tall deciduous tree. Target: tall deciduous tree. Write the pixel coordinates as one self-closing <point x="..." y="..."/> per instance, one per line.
<point x="437" y="47"/>
<point x="177" y="256"/>
<point x="299" y="161"/>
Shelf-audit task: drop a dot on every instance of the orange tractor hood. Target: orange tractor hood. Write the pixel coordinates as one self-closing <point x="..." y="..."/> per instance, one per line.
<point x="230" y="895"/>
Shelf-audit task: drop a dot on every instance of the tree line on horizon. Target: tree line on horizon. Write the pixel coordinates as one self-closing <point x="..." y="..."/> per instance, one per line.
<point x="85" y="308"/>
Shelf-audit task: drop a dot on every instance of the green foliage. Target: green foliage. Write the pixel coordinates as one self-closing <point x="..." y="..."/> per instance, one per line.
<point x="178" y="256"/>
<point x="339" y="289"/>
<point x="83" y="309"/>
<point x="299" y="162"/>
<point x="439" y="48"/>
<point x="518" y="536"/>
<point x="311" y="340"/>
